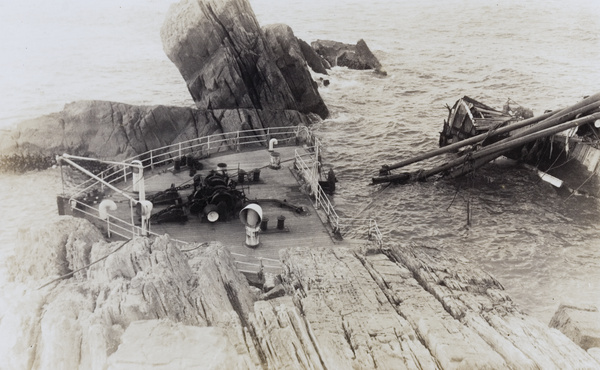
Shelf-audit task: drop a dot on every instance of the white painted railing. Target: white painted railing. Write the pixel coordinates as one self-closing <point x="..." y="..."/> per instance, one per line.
<point x="199" y="147"/>
<point x="203" y="146"/>
<point x="309" y="170"/>
<point x="213" y="144"/>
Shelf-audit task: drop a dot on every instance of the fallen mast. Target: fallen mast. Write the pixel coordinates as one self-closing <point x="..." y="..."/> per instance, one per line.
<point x="481" y="151"/>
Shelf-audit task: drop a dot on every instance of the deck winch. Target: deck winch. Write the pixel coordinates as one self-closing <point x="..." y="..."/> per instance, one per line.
<point x="214" y="197"/>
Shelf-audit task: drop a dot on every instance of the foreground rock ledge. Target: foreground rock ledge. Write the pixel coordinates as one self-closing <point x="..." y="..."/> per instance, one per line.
<point x="150" y="304"/>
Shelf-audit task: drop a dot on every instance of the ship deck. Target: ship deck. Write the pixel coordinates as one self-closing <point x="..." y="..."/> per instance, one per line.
<point x="304" y="229"/>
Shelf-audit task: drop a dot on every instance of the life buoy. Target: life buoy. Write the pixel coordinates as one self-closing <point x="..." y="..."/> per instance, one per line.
<point x="105" y="206"/>
<point x="144" y="208"/>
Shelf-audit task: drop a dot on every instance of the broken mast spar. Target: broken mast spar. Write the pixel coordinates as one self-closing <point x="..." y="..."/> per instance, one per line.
<point x="522" y="132"/>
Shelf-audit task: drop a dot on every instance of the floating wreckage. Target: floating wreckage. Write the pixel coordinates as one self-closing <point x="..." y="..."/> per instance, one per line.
<point x="481" y="134"/>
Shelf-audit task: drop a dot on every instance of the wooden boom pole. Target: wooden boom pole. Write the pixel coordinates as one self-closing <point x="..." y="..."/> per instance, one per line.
<point x="539" y="123"/>
<point x="462" y="143"/>
<point x="488" y="152"/>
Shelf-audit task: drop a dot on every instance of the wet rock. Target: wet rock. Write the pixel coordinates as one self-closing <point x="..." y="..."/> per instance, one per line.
<point x="227" y="63"/>
<point x="580" y="323"/>
<point x="357" y="56"/>
<point x="221" y="53"/>
<point x="116" y="131"/>
<point x="314" y="60"/>
<point x="290" y="60"/>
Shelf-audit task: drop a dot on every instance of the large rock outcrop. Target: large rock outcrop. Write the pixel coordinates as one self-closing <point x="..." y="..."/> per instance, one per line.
<point x="290" y="60"/>
<point x="153" y="305"/>
<point x="115" y="130"/>
<point x="221" y="52"/>
<point x="357" y="56"/>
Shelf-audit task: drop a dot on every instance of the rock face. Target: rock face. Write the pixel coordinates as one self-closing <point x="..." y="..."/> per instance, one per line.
<point x="357" y="56"/>
<point x="580" y="324"/>
<point x="238" y="77"/>
<point x="115" y="130"/>
<point x="151" y="305"/>
<point x="222" y="54"/>
<point x="292" y="64"/>
<point x="314" y="60"/>
<point x="80" y="322"/>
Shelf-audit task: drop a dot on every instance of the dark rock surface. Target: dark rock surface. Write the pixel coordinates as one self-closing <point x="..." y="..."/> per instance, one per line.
<point x="290" y="60"/>
<point x="221" y="52"/>
<point x="357" y="56"/>
<point x="115" y="130"/>
<point x="314" y="60"/>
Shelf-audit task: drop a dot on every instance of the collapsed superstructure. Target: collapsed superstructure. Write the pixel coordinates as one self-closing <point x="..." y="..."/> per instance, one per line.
<point x="481" y="134"/>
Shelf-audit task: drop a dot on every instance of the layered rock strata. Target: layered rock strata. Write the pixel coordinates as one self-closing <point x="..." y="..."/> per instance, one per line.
<point x="239" y="78"/>
<point x="580" y="323"/>
<point x="150" y="304"/>
<point x="289" y="58"/>
<point x="221" y="52"/>
<point x="115" y="130"/>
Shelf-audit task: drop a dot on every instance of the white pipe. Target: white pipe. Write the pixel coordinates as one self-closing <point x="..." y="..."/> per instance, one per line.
<point x="65" y="155"/>
<point x="272" y="142"/>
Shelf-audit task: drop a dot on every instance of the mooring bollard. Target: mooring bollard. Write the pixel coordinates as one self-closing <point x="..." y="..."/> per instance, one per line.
<point x="281" y="222"/>
<point x="264" y="224"/>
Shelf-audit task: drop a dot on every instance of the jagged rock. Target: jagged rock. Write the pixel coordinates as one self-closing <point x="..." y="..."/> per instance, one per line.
<point x="52" y="250"/>
<point x="116" y="131"/>
<point x="290" y="60"/>
<point x="222" y="54"/>
<point x="139" y="280"/>
<point x="163" y="344"/>
<point x="581" y="324"/>
<point x="357" y="56"/>
<point x="314" y="60"/>
<point x="349" y="318"/>
<point x="150" y="304"/>
<point x="478" y="301"/>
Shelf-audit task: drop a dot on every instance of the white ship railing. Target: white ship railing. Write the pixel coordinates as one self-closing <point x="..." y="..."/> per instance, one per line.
<point x="210" y="145"/>
<point x="200" y="147"/>
<point x="309" y="170"/>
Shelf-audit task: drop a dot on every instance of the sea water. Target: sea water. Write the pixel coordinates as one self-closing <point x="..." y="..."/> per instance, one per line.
<point x="544" y="247"/>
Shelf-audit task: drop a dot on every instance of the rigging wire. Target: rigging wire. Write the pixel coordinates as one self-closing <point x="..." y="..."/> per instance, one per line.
<point x="85" y="267"/>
